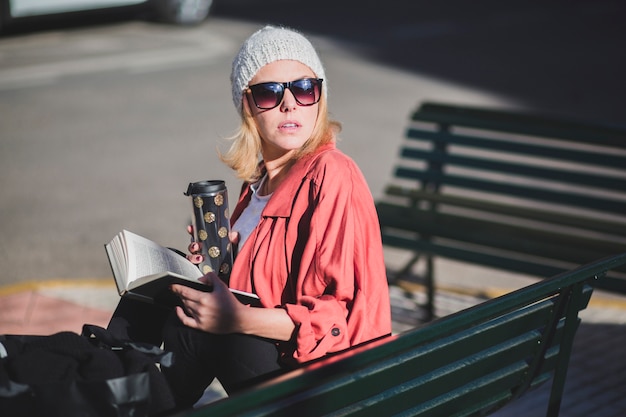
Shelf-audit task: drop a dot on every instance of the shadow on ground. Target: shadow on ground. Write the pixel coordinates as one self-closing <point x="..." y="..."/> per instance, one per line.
<point x="559" y="57"/>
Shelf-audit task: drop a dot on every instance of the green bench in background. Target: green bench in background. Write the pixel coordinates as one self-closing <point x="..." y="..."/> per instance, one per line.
<point x="469" y="363"/>
<point x="512" y="191"/>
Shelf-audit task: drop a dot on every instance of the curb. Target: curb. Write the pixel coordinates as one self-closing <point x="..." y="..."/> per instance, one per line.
<point x="32" y="285"/>
<point x="598" y="300"/>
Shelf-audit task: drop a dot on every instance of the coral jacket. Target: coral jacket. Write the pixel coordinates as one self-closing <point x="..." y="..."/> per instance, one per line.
<point x="317" y="253"/>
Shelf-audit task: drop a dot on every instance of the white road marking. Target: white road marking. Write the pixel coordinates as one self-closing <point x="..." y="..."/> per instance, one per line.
<point x="141" y="61"/>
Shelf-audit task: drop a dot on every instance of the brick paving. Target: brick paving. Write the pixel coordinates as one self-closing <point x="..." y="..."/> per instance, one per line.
<point x="50" y="307"/>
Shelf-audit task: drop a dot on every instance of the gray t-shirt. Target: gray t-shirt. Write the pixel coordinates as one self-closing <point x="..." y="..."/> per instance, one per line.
<point x="251" y="215"/>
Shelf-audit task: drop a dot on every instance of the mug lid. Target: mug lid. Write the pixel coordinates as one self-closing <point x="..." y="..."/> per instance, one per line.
<point x="205" y="187"/>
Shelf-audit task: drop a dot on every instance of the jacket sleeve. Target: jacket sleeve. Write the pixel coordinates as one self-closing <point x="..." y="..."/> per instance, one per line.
<point x="342" y="293"/>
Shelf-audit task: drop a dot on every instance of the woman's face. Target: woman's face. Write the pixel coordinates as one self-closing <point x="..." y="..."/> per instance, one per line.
<point x="286" y="127"/>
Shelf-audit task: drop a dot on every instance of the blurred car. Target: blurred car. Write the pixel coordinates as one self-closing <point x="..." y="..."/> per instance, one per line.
<point x="181" y="12"/>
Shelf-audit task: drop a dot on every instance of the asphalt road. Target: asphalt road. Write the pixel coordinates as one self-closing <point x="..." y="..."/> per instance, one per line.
<point x="103" y="125"/>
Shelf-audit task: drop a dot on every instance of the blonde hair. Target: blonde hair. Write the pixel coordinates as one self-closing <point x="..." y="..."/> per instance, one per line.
<point x="245" y="151"/>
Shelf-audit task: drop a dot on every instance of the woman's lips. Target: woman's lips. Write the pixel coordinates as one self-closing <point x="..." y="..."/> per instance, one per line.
<point x="290" y="125"/>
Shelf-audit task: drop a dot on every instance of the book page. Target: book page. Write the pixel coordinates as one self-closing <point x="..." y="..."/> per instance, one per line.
<point x="117" y="260"/>
<point x="146" y="257"/>
<point x="143" y="269"/>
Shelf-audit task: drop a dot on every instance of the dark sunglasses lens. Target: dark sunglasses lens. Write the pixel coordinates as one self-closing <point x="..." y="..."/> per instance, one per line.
<point x="306" y="91"/>
<point x="267" y="95"/>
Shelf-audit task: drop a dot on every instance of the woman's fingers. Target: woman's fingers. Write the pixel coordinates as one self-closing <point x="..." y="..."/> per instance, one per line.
<point x="187" y="293"/>
<point x="234" y="237"/>
<point x="194" y="248"/>
<point x="195" y="259"/>
<point x="186" y="319"/>
<point x="208" y="311"/>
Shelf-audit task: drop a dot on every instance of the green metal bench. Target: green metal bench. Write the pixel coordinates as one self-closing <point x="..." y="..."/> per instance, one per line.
<point x="469" y="363"/>
<point x="506" y="190"/>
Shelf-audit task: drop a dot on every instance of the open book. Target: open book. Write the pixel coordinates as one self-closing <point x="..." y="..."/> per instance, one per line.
<point x="144" y="270"/>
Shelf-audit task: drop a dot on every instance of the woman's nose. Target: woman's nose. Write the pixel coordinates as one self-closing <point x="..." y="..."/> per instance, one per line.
<point x="289" y="101"/>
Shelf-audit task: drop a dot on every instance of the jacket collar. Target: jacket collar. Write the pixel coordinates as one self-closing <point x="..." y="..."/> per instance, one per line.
<point x="281" y="203"/>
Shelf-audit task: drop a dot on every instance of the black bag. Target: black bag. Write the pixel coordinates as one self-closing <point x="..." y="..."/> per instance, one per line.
<point x="88" y="375"/>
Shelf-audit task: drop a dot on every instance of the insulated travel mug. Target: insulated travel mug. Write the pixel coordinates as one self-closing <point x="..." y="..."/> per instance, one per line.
<point x="211" y="226"/>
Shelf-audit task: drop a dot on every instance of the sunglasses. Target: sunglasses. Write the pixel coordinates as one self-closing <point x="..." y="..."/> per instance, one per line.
<point x="306" y="91"/>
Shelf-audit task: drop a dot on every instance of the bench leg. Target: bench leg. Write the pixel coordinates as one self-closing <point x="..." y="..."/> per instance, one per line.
<point x="430" y="289"/>
<point x="429" y="282"/>
<point x="569" y="332"/>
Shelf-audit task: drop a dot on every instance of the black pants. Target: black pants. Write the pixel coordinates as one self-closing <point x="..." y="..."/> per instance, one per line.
<point x="237" y="361"/>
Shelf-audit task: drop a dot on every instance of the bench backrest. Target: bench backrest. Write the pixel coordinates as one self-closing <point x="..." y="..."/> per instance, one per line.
<point x="473" y="361"/>
<point x="513" y="191"/>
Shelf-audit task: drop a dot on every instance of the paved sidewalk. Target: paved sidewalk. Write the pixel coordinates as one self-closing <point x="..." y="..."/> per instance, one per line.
<point x="596" y="382"/>
<point x="48" y="307"/>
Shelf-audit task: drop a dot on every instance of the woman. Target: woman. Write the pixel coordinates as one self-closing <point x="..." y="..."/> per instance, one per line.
<point x="306" y="228"/>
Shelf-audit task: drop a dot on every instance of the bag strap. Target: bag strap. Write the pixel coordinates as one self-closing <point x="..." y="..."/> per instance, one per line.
<point x="104" y="339"/>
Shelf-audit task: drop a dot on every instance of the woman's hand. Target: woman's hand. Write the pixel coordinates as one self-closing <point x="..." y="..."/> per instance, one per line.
<point x="195" y="248"/>
<point x="217" y="312"/>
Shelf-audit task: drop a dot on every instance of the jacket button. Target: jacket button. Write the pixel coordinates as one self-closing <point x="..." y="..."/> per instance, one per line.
<point x="335" y="331"/>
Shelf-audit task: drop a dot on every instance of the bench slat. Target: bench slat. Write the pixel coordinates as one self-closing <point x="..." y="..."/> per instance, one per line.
<point x="589" y="157"/>
<point x="552" y="217"/>
<point x="529" y="171"/>
<point x="483" y="370"/>
<point x="612" y="282"/>
<point x="507" y="188"/>
<point x="548" y="244"/>
<point x="519" y="123"/>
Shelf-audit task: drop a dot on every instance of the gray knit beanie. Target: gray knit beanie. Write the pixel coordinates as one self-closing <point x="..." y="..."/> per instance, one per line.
<point x="265" y="46"/>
